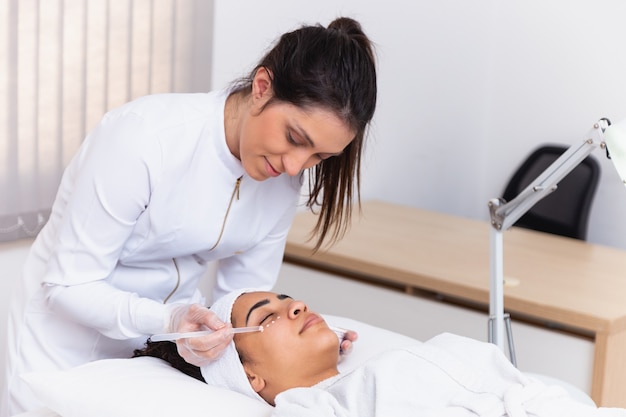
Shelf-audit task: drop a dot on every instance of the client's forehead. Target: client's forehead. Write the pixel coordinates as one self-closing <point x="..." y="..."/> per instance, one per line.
<point x="247" y="303"/>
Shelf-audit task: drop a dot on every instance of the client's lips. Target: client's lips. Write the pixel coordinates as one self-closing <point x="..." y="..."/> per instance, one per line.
<point x="310" y="321"/>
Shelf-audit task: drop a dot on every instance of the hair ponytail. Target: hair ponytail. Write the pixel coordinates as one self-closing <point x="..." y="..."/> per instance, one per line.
<point x="333" y="68"/>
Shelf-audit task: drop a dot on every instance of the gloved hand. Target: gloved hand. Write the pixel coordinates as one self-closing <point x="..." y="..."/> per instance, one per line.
<point x="346" y="338"/>
<point x="199" y="350"/>
<point x="345" y="347"/>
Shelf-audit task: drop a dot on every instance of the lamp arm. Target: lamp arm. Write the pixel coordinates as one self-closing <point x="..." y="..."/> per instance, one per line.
<point x="504" y="214"/>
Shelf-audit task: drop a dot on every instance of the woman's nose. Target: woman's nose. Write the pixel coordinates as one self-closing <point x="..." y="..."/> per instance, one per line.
<point x="297" y="161"/>
<point x="296" y="308"/>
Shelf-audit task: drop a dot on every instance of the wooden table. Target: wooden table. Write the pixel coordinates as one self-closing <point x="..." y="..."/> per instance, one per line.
<point x="563" y="282"/>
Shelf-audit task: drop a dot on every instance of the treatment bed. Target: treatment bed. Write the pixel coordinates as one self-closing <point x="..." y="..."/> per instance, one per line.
<point x="150" y="387"/>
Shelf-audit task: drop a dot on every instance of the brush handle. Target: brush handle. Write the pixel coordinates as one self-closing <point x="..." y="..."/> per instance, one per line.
<point x="185" y="335"/>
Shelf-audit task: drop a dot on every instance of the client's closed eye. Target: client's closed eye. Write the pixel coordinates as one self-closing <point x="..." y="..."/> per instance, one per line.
<point x="266" y="318"/>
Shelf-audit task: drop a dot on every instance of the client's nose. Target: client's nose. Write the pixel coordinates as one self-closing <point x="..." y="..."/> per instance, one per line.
<point x="296" y="308"/>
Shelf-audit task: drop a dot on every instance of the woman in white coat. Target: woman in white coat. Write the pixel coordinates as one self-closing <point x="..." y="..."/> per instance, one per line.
<point x="169" y="182"/>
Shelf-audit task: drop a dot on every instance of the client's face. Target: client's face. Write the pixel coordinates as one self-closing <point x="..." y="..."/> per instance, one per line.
<point x="295" y="349"/>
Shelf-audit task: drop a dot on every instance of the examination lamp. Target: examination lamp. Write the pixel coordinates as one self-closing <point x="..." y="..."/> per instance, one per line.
<point x="604" y="135"/>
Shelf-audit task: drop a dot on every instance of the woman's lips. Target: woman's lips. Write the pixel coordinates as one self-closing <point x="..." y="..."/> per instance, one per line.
<point x="310" y="321"/>
<point x="270" y="169"/>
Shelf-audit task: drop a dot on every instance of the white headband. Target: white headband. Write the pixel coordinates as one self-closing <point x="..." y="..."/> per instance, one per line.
<point x="227" y="371"/>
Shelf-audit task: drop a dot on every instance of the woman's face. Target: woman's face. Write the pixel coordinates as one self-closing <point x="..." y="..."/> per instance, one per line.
<point x="295" y="349"/>
<point x="282" y="138"/>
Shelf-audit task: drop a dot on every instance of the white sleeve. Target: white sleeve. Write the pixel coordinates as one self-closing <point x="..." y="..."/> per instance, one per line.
<point x="259" y="266"/>
<point x="106" y="188"/>
<point x="114" y="313"/>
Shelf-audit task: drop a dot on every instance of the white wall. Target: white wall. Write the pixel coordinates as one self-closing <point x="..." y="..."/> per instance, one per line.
<point x="466" y="89"/>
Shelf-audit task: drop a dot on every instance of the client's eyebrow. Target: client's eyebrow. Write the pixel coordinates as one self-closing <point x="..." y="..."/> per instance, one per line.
<point x="263" y="302"/>
<point x="256" y="305"/>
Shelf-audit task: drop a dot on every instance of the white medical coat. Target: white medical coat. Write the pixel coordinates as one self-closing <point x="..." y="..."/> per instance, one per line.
<point x="154" y="182"/>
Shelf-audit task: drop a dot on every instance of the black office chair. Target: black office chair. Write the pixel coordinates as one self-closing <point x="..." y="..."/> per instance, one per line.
<point x="565" y="211"/>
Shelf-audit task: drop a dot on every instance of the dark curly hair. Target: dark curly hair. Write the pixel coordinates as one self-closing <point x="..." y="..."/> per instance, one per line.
<point x="167" y="351"/>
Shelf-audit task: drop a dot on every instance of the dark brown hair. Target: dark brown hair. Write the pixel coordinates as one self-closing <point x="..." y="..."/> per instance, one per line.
<point x="333" y="68"/>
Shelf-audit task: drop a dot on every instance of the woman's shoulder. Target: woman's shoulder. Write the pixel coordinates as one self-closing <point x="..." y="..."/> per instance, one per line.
<point x="168" y="115"/>
<point x="157" y="111"/>
<point x="181" y="104"/>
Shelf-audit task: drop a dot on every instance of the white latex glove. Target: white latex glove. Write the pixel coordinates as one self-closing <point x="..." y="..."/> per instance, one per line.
<point x="199" y="350"/>
<point x="346" y="339"/>
<point x="349" y="337"/>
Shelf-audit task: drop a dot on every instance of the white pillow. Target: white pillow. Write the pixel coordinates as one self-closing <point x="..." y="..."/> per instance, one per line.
<point x="149" y="387"/>
<point x="138" y="387"/>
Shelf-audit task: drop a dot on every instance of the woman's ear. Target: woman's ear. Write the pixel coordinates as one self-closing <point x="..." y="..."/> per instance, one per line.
<point x="256" y="382"/>
<point x="262" y="85"/>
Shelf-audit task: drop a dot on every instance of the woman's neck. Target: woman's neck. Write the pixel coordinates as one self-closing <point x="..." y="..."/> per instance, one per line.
<point x="236" y="105"/>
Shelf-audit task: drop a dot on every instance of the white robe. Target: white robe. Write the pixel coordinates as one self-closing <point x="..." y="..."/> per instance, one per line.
<point x="448" y="376"/>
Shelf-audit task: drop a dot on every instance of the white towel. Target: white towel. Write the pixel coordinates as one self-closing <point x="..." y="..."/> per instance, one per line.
<point x="447" y="376"/>
<point x="227" y="371"/>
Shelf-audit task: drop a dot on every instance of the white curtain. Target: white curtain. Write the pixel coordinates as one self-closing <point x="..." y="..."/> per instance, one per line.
<point x="63" y="64"/>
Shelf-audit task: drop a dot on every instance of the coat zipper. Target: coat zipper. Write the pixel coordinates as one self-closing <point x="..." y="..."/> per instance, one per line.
<point x="230" y="203"/>
<point x="234" y="195"/>
<point x="177" y="282"/>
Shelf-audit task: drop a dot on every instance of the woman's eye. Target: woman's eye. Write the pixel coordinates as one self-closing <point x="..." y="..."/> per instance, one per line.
<point x="266" y="317"/>
<point x="290" y="139"/>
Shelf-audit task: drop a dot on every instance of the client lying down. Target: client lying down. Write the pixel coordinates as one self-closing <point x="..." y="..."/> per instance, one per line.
<point x="292" y="364"/>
